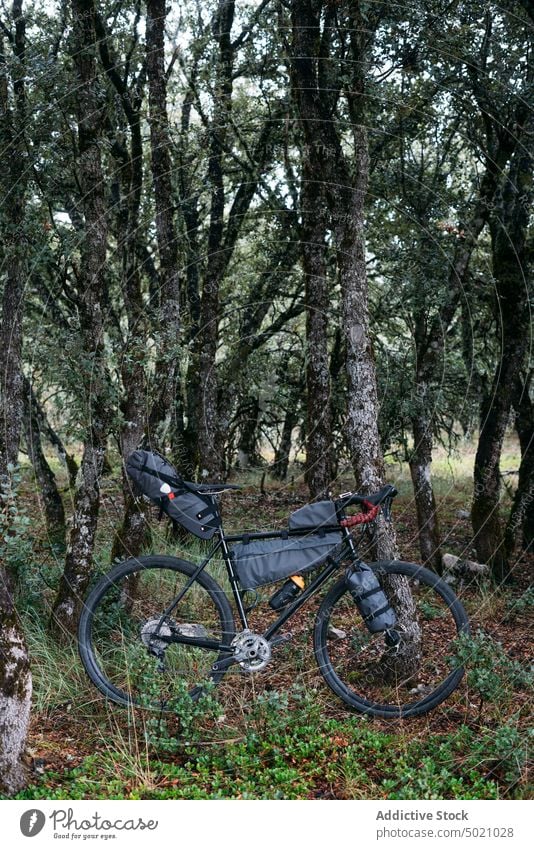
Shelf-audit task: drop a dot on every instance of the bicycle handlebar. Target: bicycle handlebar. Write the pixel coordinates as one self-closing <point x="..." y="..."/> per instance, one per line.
<point x="387" y="492"/>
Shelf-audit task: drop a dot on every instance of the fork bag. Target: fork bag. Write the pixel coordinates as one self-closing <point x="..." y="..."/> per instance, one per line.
<point x="370" y="599"/>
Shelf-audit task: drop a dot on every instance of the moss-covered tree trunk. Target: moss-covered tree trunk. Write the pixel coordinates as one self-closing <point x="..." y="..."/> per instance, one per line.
<point x="168" y="317"/>
<point x="512" y="275"/>
<point x="520" y="525"/>
<point x="346" y="181"/>
<point x="15" y="690"/>
<point x="425" y="502"/>
<point x="46" y="480"/>
<point x="132" y="534"/>
<point x="15" y="673"/>
<point x="313" y="246"/>
<point x="91" y="289"/>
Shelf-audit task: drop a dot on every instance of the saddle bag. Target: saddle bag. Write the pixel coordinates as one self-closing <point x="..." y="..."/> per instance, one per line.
<point x="156" y="478"/>
<point x="370" y="599"/>
<point x="265" y="561"/>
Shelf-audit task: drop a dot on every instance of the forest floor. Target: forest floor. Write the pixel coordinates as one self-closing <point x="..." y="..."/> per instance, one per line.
<point x="281" y="733"/>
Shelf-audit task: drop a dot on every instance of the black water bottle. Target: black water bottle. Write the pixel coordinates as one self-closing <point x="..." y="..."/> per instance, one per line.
<point x="290" y="590"/>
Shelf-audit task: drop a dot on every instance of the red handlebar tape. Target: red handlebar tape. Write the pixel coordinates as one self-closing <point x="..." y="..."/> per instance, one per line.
<point x="370" y="513"/>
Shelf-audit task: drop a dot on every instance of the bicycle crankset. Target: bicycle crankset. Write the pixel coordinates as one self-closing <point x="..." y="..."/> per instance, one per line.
<point x="251" y="651"/>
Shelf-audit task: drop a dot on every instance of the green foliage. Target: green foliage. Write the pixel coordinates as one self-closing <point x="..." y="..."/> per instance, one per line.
<point x="193" y="715"/>
<point x="491" y="673"/>
<point x="517" y="606"/>
<point x="16" y="548"/>
<point x="464" y="765"/>
<point x="286" y="748"/>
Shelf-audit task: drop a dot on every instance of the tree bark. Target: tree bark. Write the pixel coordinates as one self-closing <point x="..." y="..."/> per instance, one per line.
<point x="15" y="690"/>
<point x="132" y="535"/>
<point x="15" y="673"/>
<point x="520" y="525"/>
<point x="511" y="273"/>
<point x="313" y="246"/>
<point x="345" y="188"/>
<point x="49" y="492"/>
<point x="427" y="517"/>
<point x="168" y="332"/>
<point x="91" y="294"/>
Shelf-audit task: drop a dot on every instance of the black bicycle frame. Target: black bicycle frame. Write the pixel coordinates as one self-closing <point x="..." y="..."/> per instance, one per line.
<point x="347" y="549"/>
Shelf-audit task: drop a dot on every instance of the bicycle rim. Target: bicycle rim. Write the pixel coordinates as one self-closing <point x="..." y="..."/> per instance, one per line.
<point x="373" y="678"/>
<point x="123" y="619"/>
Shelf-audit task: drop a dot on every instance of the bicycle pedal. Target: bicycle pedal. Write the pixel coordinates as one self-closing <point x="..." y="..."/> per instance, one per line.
<point x="283" y="638"/>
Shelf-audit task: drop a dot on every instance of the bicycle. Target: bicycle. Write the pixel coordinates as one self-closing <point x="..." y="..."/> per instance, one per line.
<point x="155" y="623"/>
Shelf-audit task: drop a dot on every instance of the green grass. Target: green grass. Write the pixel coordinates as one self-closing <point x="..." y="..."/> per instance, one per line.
<point x="289" y="750"/>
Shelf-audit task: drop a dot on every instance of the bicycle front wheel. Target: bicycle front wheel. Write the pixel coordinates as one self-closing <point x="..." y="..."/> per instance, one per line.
<point x="141" y="646"/>
<point x="408" y="679"/>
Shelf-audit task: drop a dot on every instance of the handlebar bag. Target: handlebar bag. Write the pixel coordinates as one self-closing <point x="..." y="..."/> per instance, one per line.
<point x="265" y="561"/>
<point x="158" y="480"/>
<point x="317" y="515"/>
<point x="370" y="599"/>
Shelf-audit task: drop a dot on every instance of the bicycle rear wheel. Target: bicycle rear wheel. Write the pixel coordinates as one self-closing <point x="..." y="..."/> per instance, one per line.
<point x="367" y="674"/>
<point x="126" y="627"/>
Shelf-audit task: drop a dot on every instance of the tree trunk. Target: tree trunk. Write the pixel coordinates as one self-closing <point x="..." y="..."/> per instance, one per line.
<point x="49" y="492"/>
<point x="362" y="413"/>
<point x="319" y="415"/>
<point x="15" y="673"/>
<point x="520" y="526"/>
<point x="248" y="437"/>
<point x="345" y="188"/>
<point x="511" y="278"/>
<point x="427" y="517"/>
<point x="429" y="338"/>
<point x="15" y="691"/>
<point x="168" y="331"/>
<point x="211" y="456"/>
<point x="91" y="289"/>
<point x="283" y="450"/>
<point x="132" y="535"/>
<point x="46" y="430"/>
<point x="79" y="559"/>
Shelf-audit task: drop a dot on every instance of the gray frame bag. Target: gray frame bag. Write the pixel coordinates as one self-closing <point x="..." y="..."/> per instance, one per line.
<point x="197" y="513"/>
<point x="265" y="561"/>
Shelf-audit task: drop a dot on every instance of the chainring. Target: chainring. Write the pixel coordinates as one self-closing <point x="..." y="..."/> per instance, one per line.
<point x="252" y="651"/>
